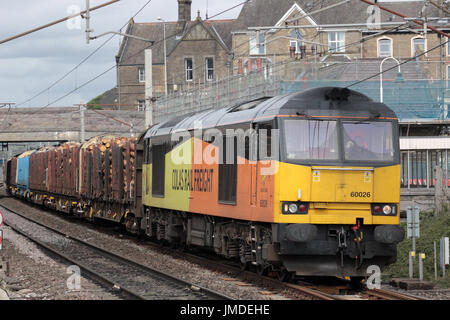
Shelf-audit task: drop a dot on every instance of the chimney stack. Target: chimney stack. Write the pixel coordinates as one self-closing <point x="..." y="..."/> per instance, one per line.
<point x="184" y="13"/>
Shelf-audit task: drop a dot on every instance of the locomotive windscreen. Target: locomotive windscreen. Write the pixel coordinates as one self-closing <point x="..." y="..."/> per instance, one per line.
<point x="368" y="141"/>
<point x="320" y="139"/>
<point x="311" y="140"/>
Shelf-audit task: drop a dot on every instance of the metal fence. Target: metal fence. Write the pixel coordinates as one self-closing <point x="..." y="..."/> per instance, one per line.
<point x="418" y="95"/>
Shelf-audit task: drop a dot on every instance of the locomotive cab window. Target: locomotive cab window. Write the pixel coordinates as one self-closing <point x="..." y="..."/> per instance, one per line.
<point x="370" y="141"/>
<point x="311" y="140"/>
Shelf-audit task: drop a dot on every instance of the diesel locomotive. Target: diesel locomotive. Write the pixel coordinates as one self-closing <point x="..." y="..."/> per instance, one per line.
<point x="304" y="184"/>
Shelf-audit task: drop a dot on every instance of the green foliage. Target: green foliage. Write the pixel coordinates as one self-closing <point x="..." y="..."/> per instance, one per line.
<point x="431" y="229"/>
<point x="94" y="103"/>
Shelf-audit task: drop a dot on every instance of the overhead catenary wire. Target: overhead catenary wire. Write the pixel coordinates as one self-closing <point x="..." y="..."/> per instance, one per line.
<point x="114" y="66"/>
<point x="405" y="17"/>
<point x="56" y="22"/>
<point x="439" y="6"/>
<point x="81" y="62"/>
<point x="396" y="66"/>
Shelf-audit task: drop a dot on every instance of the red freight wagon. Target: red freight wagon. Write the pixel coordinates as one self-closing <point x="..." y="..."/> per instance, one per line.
<point x="39" y="170"/>
<point x="107" y="176"/>
<point x="68" y="168"/>
<point x="11" y="176"/>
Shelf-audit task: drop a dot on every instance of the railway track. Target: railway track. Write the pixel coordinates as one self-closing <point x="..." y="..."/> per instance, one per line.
<point x="381" y="294"/>
<point x="133" y="280"/>
<point x="291" y="290"/>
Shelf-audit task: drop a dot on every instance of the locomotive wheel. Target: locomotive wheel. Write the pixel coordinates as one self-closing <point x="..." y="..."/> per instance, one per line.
<point x="356" y="282"/>
<point x="244" y="265"/>
<point x="261" y="270"/>
<point x="283" y="275"/>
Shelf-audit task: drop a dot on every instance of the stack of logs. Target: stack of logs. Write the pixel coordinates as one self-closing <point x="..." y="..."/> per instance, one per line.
<point x="115" y="145"/>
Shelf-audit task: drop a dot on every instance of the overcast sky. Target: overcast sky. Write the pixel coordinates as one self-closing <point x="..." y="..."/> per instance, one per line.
<point x="32" y="63"/>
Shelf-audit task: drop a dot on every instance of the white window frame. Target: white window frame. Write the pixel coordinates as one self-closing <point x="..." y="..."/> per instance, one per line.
<point x="297" y="43"/>
<point x="294" y="43"/>
<point x="186" y="70"/>
<point x="340" y="44"/>
<point x="141" y="105"/>
<point x="413" y="47"/>
<point x="207" y="69"/>
<point x="141" y="74"/>
<point x="391" y="47"/>
<point x="253" y="49"/>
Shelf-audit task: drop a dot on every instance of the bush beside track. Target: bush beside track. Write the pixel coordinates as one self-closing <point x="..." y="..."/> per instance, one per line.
<point x="431" y="229"/>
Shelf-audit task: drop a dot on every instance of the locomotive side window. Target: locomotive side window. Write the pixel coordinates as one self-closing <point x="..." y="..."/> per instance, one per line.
<point x="158" y="157"/>
<point x="311" y="140"/>
<point x="228" y="171"/>
<point x="368" y="141"/>
<point x="265" y="151"/>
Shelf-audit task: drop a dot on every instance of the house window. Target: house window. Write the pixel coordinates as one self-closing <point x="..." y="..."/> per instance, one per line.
<point x="296" y="34"/>
<point x="141" y="105"/>
<point x="418" y="46"/>
<point x="189" y="69"/>
<point x="336" y="41"/>
<point x="384" y="47"/>
<point x="209" y="69"/>
<point x="141" y="72"/>
<point x="448" y="76"/>
<point x="254" y="49"/>
<point x="256" y="64"/>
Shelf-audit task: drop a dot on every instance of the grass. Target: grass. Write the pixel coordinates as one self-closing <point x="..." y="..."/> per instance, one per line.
<point x="431" y="229"/>
<point x="93" y="104"/>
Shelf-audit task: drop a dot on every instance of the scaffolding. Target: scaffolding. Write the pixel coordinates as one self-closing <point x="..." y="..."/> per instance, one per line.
<point x="420" y="95"/>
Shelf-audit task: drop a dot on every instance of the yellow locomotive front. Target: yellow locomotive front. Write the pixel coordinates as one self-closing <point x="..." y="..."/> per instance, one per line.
<point x="337" y="191"/>
<point x="308" y="184"/>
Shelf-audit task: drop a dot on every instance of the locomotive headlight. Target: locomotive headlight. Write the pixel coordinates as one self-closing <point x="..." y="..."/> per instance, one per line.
<point x="293" y="208"/>
<point x="387" y="209"/>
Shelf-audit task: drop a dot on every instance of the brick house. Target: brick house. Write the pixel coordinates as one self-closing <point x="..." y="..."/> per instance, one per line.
<point x="332" y="32"/>
<point x="201" y="51"/>
<point x="197" y="52"/>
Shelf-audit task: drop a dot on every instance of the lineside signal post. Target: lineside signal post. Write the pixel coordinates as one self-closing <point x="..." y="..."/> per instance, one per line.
<point x="444" y="254"/>
<point x="413" y="223"/>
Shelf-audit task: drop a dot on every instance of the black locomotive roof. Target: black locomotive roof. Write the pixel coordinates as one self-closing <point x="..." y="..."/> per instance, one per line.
<point x="325" y="102"/>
